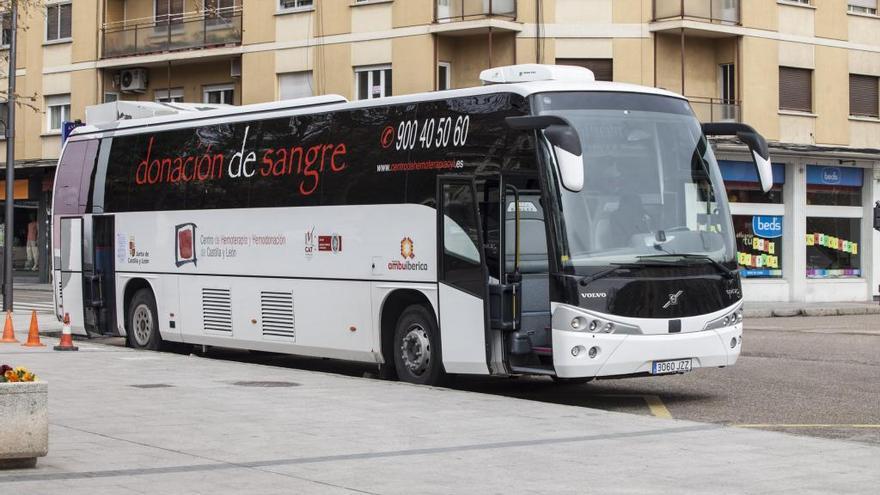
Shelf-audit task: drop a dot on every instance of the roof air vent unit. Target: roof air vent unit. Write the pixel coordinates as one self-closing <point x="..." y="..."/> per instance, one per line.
<point x="536" y="72"/>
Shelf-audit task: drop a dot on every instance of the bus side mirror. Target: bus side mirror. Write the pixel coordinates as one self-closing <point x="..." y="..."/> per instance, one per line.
<point x="565" y="142"/>
<point x="877" y="215"/>
<point x="569" y="155"/>
<point x="760" y="152"/>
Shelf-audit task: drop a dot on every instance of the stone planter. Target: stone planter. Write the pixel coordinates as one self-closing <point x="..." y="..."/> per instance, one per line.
<point x="24" y="423"/>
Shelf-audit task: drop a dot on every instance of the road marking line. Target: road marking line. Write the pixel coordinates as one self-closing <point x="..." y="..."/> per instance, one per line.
<point x="788" y="425"/>
<point x="657" y="407"/>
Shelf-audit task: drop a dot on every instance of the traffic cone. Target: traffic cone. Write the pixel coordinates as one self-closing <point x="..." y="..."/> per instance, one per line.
<point x="66" y="343"/>
<point x="8" y="331"/>
<point x="34" y="333"/>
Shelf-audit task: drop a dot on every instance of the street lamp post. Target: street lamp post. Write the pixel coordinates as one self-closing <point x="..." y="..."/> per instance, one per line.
<point x="10" y="160"/>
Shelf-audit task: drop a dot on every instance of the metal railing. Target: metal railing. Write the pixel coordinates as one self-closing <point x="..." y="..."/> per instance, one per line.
<point x="720" y="11"/>
<point x="185" y="31"/>
<point x="715" y="109"/>
<point x="463" y="10"/>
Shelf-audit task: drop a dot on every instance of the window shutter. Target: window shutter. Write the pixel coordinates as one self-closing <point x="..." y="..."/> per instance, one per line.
<point x="868" y="4"/>
<point x="603" y="68"/>
<point x="295" y="85"/>
<point x="795" y="89"/>
<point x="864" y="95"/>
<point x="64" y="12"/>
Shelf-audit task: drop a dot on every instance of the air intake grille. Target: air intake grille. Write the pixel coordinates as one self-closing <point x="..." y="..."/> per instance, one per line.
<point x="277" y="314"/>
<point x="217" y="310"/>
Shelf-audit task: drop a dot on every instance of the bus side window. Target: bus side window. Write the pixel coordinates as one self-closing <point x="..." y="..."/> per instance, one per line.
<point x="87" y="177"/>
<point x="69" y="177"/>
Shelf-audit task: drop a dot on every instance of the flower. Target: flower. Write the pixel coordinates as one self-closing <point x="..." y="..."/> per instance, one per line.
<point x="17" y="374"/>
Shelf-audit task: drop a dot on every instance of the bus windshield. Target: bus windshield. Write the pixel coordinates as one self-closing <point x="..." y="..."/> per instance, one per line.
<point x="652" y="185"/>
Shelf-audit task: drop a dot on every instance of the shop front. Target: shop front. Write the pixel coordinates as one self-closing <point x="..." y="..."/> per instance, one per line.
<point x="32" y="191"/>
<point x="811" y="238"/>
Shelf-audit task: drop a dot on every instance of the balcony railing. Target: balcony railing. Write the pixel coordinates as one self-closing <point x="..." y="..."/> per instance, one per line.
<point x="186" y="31"/>
<point x="463" y="10"/>
<point x="718" y="11"/>
<point x="715" y="109"/>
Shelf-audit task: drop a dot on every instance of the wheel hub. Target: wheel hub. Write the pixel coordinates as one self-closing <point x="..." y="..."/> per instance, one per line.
<point x="143" y="324"/>
<point x="416" y="350"/>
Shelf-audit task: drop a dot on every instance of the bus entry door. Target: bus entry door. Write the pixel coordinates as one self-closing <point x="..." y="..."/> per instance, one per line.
<point x="99" y="274"/>
<point x="69" y="272"/>
<point x="462" y="278"/>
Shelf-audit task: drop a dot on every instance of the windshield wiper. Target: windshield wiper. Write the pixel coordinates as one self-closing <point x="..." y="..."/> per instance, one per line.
<point x="727" y="272"/>
<point x="616" y="266"/>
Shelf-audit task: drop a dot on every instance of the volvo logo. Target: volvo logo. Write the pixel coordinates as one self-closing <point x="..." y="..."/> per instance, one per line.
<point x="673" y="299"/>
<point x="593" y="295"/>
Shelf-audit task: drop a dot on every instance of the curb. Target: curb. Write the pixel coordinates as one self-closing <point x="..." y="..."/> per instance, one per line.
<point x="808" y="311"/>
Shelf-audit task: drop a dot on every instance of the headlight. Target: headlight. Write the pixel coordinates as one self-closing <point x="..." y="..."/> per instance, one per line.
<point x="732" y="318"/>
<point x="578" y="320"/>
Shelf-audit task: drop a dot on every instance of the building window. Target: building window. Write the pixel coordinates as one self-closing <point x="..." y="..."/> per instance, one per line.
<point x="603" y="68"/>
<point x="373" y="82"/>
<point x="444" y="76"/>
<point x="863" y="6"/>
<point x="759" y="245"/>
<point x="864" y="95"/>
<point x="295" y="4"/>
<point x="6" y="36"/>
<point x="58" y="21"/>
<point x="295" y="85"/>
<point x="175" y="95"/>
<point x="3" y="115"/>
<point x="110" y="97"/>
<point x="834" y="186"/>
<point x="796" y="89"/>
<point x="168" y="11"/>
<point x="223" y="94"/>
<point x="57" y="111"/>
<point x="833" y="247"/>
<point x="743" y="186"/>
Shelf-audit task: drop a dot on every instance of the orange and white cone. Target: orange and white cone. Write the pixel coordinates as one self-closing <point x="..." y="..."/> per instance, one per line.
<point x="8" y="331"/>
<point x="66" y="343"/>
<point x="33" y="339"/>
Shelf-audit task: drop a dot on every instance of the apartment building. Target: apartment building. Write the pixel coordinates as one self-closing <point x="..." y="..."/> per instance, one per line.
<point x="803" y="72"/>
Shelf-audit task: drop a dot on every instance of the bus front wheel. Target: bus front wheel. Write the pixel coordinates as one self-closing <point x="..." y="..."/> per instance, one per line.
<point x="143" y="322"/>
<point x="417" y="348"/>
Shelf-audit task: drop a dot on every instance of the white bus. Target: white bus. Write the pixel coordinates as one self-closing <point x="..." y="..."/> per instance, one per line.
<point x="544" y="223"/>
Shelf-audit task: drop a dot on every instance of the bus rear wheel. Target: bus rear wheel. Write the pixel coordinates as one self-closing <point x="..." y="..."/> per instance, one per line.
<point x="417" y="348"/>
<point x="143" y="322"/>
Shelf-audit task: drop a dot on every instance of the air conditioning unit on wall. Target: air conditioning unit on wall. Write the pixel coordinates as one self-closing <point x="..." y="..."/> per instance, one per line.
<point x="133" y="80"/>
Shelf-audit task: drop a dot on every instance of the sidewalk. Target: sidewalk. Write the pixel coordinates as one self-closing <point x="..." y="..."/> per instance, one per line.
<point x="125" y="421"/>
<point x="753" y="309"/>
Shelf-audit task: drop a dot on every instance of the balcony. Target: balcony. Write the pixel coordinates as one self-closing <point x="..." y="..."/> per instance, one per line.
<point x="715" y="109"/>
<point x="175" y="32"/>
<point x="713" y="11"/>
<point x="466" y="10"/>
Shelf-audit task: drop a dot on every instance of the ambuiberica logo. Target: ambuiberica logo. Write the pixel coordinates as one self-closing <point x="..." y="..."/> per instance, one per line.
<point x="408" y="255"/>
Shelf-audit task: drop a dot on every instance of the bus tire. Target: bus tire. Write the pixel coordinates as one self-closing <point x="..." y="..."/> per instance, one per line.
<point x="416" y="348"/>
<point x="143" y="322"/>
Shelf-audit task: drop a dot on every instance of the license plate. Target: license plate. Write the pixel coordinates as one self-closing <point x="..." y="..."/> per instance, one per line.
<point x="673" y="366"/>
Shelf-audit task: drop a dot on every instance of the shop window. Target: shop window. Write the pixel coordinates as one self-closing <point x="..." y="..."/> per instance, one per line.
<point x="834" y="186"/>
<point x="743" y="186"/>
<point x="833" y="248"/>
<point x="759" y="245"/>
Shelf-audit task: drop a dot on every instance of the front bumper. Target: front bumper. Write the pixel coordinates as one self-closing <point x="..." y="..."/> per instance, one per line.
<point x="618" y="354"/>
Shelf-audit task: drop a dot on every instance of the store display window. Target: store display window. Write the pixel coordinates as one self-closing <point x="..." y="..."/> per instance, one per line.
<point x="834" y="186"/>
<point x="743" y="186"/>
<point x="833" y="248"/>
<point x="759" y="245"/>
